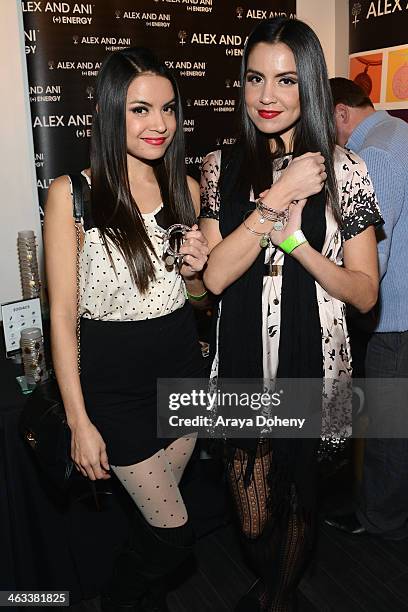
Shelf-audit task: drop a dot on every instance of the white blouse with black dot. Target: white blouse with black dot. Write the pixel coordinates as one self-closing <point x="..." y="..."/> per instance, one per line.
<point x="107" y="296"/>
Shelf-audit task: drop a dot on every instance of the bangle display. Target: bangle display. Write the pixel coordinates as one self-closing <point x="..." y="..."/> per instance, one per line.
<point x="197" y="298"/>
<point x="292" y="242"/>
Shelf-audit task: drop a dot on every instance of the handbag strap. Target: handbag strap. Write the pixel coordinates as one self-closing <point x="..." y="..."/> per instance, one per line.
<point x="79" y="184"/>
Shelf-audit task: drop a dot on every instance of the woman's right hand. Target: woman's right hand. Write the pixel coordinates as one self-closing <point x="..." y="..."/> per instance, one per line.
<point x="88" y="451"/>
<point x="304" y="177"/>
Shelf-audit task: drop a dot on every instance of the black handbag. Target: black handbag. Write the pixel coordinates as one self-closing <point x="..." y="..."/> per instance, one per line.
<point x="43" y="422"/>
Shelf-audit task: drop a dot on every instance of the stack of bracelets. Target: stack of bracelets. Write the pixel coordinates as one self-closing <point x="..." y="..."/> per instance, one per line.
<point x="279" y="218"/>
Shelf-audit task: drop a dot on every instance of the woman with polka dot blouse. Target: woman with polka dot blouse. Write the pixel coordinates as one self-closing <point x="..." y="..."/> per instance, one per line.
<point x="136" y="324"/>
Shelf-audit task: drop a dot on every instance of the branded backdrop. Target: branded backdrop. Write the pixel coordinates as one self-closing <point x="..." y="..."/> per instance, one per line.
<point x="379" y="52"/>
<point x="200" y="40"/>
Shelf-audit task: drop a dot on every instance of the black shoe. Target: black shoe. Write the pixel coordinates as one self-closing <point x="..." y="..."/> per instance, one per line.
<point x="138" y="583"/>
<point x="348" y="523"/>
<point x="126" y="588"/>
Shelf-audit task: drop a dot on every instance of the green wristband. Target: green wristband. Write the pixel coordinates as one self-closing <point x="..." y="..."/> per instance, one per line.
<point x="197" y="298"/>
<point x="293" y="241"/>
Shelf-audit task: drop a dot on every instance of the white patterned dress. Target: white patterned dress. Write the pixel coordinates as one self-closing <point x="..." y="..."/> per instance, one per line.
<point x="359" y="210"/>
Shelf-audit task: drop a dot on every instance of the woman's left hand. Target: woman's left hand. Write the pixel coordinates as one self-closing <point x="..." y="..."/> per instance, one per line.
<point x="294" y="223"/>
<point x="195" y="252"/>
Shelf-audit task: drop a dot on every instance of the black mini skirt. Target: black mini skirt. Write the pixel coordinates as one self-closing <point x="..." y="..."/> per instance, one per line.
<point x="120" y="364"/>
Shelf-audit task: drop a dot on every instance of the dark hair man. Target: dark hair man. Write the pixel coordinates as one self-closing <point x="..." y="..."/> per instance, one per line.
<point x="382" y="141"/>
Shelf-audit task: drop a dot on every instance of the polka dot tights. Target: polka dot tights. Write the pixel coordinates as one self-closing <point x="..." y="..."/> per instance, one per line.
<point x="153" y="483"/>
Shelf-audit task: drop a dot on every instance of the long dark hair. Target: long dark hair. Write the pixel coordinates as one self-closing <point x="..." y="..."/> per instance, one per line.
<point x="315" y="130"/>
<point x="114" y="210"/>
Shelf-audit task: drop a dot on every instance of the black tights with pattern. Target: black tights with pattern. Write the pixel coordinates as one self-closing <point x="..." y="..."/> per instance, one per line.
<point x="277" y="550"/>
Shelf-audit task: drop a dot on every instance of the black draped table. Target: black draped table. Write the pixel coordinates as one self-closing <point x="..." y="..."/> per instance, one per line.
<point x="49" y="541"/>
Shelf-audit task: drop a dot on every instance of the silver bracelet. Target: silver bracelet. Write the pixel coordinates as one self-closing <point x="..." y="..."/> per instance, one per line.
<point x="279" y="218"/>
<point x="264" y="241"/>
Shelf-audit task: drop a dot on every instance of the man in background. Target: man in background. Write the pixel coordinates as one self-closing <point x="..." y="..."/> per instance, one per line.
<point x="382" y="141"/>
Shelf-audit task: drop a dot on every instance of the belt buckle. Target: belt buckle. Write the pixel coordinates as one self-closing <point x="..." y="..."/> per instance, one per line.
<point x="273" y="269"/>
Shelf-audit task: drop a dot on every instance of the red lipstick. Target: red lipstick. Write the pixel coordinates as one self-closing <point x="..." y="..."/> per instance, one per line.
<point x="265" y="114"/>
<point x="155" y="141"/>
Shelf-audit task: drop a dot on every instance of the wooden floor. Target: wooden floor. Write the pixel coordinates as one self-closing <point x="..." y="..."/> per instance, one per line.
<point x="350" y="574"/>
<point x="363" y="575"/>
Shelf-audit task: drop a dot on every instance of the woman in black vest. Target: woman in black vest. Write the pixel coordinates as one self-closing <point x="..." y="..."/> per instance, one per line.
<point x="289" y="220"/>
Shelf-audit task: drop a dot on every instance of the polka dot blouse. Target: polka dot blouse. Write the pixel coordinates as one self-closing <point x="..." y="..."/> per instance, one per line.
<point x="105" y="295"/>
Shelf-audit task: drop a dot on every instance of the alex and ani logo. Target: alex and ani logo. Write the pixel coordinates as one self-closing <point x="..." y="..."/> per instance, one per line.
<point x="56" y="7"/>
<point x="218" y="105"/>
<point x="45" y="93"/>
<point x="187" y="68"/>
<point x="150" y="19"/>
<point x="377" y="9"/>
<point x="82" y="123"/>
<point x="30" y="37"/>
<point x="88" y="69"/>
<point x="185" y="65"/>
<point x="51" y="121"/>
<point x="232" y="83"/>
<point x="208" y="38"/>
<point x="224" y="141"/>
<point x="198" y="159"/>
<point x="188" y="125"/>
<point x="385" y="7"/>
<point x="261" y="13"/>
<point x="182" y="36"/>
<point x="355" y="11"/>
<point x="234" y="43"/>
<point x="203" y="6"/>
<point x="104" y="40"/>
<point x="79" y="12"/>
